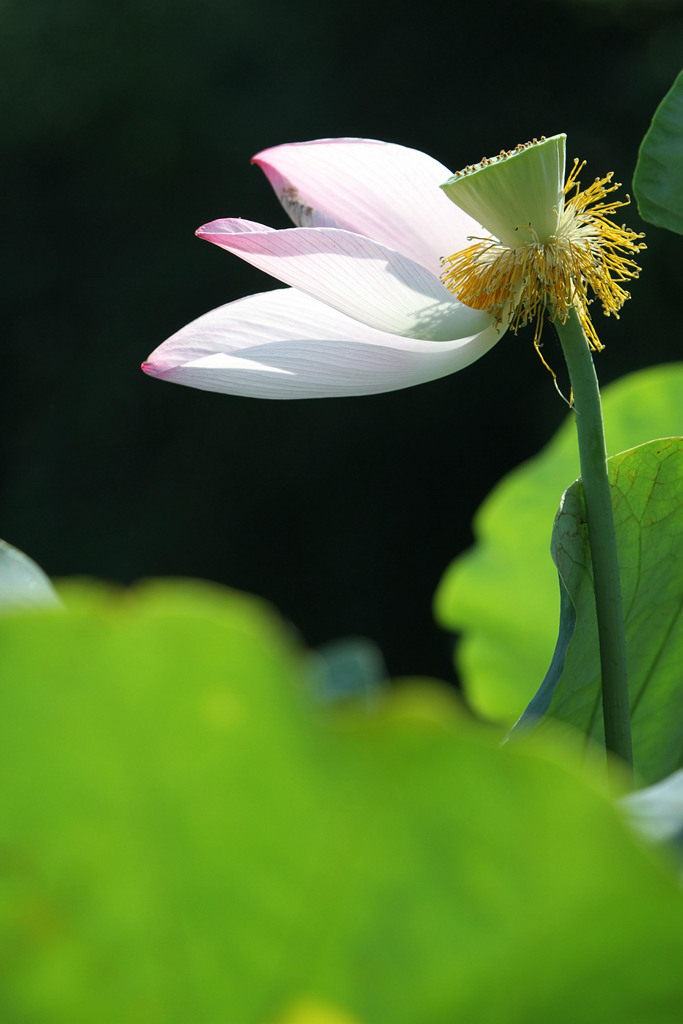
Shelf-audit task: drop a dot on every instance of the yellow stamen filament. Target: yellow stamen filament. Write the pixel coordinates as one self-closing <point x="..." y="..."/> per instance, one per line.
<point x="588" y="253"/>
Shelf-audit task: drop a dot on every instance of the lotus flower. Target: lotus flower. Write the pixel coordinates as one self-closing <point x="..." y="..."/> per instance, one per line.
<point x="367" y="310"/>
<point x="381" y="258"/>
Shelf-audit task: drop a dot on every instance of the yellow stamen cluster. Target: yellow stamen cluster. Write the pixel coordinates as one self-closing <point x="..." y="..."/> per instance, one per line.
<point x="587" y="252"/>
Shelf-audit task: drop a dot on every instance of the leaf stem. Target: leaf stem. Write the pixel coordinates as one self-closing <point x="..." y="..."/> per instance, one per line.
<point x="602" y="536"/>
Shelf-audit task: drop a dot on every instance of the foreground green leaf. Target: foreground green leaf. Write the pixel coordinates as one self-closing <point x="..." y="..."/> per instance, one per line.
<point x="502" y="595"/>
<point x="186" y="839"/>
<point x="658" y="179"/>
<point x="647" y="498"/>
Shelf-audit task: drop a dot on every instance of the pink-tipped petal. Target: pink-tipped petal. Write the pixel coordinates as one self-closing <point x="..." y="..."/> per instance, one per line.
<point x="365" y="280"/>
<point x="285" y="344"/>
<point x="388" y="192"/>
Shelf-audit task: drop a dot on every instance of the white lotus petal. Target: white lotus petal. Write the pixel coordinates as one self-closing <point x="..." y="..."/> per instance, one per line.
<point x="285" y="344"/>
<point x="368" y="281"/>
<point x="390" y="193"/>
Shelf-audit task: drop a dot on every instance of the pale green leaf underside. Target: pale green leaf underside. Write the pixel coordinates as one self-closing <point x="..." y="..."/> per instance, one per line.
<point x="186" y="839"/>
<point x="657" y="812"/>
<point x="23" y="584"/>
<point x="647" y="498"/>
<point x="658" y="178"/>
<point x="502" y="595"/>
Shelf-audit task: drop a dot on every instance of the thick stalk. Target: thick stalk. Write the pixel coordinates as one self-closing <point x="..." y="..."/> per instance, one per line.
<point x="602" y="537"/>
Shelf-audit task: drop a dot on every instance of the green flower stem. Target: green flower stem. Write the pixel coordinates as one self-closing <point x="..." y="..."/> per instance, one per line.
<point x="602" y="537"/>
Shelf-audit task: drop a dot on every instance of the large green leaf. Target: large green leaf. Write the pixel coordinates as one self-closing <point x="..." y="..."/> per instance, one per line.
<point x="647" y="498"/>
<point x="658" y="179"/>
<point x="185" y="839"/>
<point x="502" y="594"/>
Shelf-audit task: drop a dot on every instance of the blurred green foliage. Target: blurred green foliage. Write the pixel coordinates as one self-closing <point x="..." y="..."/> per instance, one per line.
<point x="185" y="837"/>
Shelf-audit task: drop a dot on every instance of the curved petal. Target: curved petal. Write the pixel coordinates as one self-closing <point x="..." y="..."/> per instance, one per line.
<point x="388" y="192"/>
<point x="284" y="344"/>
<point x="359" y="277"/>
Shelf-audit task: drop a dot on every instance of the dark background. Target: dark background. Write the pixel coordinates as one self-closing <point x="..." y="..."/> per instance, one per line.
<point x="128" y="123"/>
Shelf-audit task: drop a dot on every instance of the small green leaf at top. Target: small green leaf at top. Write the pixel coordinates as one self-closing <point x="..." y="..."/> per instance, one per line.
<point x="658" y="179"/>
